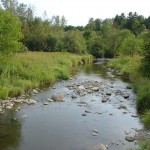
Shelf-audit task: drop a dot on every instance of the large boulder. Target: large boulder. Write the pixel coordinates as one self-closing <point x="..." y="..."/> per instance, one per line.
<point x="58" y="97"/>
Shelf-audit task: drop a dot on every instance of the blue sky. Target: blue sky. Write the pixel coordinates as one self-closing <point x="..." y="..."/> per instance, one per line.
<point x="78" y="12"/>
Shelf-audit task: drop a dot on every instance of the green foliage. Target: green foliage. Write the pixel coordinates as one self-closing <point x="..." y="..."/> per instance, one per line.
<point x="94" y="25"/>
<point x="4" y="92"/>
<point x="134" y="22"/>
<point x="75" y="42"/>
<point x="143" y="94"/>
<point x="96" y="45"/>
<point x="24" y="71"/>
<point x="131" y="46"/>
<point x="10" y="31"/>
<point x="146" y="119"/>
<point x="129" y="66"/>
<point x="145" y="67"/>
<point x="131" y="69"/>
<point x="143" y="145"/>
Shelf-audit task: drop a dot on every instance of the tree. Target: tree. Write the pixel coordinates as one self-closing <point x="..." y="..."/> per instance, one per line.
<point x="131" y="46"/>
<point x="120" y="21"/>
<point x="10" y="31"/>
<point x="145" y="36"/>
<point x="10" y="5"/>
<point x="75" y="42"/>
<point x="97" y="46"/>
<point x="91" y="24"/>
<point x="147" y="22"/>
<point x="118" y="37"/>
<point x="36" y="40"/>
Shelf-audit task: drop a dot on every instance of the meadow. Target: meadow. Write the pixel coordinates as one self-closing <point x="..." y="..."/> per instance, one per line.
<point x="25" y="71"/>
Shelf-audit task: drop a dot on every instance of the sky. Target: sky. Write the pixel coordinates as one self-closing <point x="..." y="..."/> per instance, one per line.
<point x="78" y="12"/>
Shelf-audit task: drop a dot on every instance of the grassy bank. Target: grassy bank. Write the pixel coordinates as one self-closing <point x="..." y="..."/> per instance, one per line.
<point x="131" y="70"/>
<point x="25" y="71"/>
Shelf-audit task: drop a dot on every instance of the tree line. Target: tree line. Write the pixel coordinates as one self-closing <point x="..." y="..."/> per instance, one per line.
<point x="122" y="35"/>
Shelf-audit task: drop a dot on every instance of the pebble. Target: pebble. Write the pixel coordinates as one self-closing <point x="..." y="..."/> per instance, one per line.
<point x="45" y="103"/>
<point x="88" y="111"/>
<point x="130" y="138"/>
<point x="134" y="115"/>
<point x="100" y="147"/>
<point x="24" y="116"/>
<point x="99" y="113"/>
<point x="108" y="93"/>
<point x="127" y="132"/>
<point x="73" y="96"/>
<point x="83" y="114"/>
<point x="49" y="100"/>
<point x="95" y="130"/>
<point x="94" y="134"/>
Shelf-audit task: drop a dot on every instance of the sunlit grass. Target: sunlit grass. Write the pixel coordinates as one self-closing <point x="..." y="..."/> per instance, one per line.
<point x="28" y="70"/>
<point x="143" y="145"/>
<point x="130" y="67"/>
<point x="146" y="120"/>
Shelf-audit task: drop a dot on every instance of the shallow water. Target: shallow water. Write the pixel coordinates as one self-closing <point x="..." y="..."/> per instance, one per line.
<point x="61" y="126"/>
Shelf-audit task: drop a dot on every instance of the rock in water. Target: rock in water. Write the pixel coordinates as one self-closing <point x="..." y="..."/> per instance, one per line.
<point x="73" y="96"/>
<point x="49" y="100"/>
<point x="108" y="93"/>
<point x="100" y="147"/>
<point x="32" y="101"/>
<point x="130" y="138"/>
<point x="104" y="99"/>
<point x="59" y="97"/>
<point x="45" y="103"/>
<point x="34" y="91"/>
<point x="83" y="114"/>
<point x="126" y="95"/>
<point x="81" y="90"/>
<point x="87" y="111"/>
<point x="95" y="130"/>
<point x="95" y="89"/>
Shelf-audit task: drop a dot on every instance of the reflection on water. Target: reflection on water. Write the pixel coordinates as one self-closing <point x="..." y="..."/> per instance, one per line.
<point x="10" y="131"/>
<point x="61" y="126"/>
<point x="97" y="69"/>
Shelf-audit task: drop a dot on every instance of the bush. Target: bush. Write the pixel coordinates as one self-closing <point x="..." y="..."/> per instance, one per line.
<point x="146" y="119"/>
<point x="143" y="94"/>
<point x="24" y="71"/>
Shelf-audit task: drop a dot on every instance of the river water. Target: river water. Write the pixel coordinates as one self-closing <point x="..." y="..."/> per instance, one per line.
<point x="62" y="126"/>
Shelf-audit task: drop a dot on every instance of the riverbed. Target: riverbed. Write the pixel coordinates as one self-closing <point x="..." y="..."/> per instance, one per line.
<point x="98" y="108"/>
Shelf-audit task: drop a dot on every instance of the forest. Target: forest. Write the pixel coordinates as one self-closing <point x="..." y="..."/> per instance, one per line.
<point x="125" y="38"/>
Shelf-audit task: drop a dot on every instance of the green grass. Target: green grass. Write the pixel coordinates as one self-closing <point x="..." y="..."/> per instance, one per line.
<point x="142" y="88"/>
<point x="129" y="66"/>
<point x="143" y="145"/>
<point x="146" y="120"/>
<point x="131" y="69"/>
<point x="25" y="71"/>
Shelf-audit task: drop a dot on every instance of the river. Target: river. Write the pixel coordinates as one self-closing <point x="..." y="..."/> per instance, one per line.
<point x="78" y="123"/>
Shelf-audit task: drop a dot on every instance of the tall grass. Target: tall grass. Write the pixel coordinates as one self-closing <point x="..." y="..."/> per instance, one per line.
<point x="130" y="67"/>
<point x="28" y="70"/>
<point x="143" y="145"/>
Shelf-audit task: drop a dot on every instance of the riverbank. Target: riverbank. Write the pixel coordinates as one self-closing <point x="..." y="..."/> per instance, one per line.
<point x="130" y="70"/>
<point x="25" y="71"/>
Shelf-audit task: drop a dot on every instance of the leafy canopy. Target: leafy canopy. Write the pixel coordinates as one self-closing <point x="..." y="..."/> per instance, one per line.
<point x="10" y="33"/>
